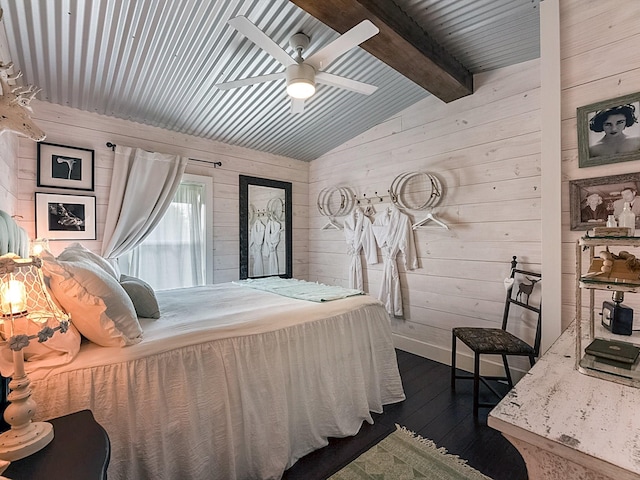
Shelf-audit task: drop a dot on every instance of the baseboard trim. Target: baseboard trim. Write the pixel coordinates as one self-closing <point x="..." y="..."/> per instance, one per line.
<point x="464" y="359"/>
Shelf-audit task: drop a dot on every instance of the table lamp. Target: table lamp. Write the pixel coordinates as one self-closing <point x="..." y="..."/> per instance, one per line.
<point x="25" y="303"/>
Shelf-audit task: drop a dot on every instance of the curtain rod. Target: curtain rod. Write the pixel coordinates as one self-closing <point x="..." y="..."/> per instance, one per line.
<point x="113" y="146"/>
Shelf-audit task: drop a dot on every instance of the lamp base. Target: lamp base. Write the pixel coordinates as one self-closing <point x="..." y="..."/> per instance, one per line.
<point x="18" y="443"/>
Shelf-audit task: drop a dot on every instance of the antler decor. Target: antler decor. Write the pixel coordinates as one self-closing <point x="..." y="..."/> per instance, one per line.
<point x="15" y="108"/>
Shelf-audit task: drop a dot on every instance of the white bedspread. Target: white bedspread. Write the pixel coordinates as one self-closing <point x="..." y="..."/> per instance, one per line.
<point x="240" y="396"/>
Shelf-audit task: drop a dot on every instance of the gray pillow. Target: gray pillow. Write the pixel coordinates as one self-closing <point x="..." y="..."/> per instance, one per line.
<point x="142" y="295"/>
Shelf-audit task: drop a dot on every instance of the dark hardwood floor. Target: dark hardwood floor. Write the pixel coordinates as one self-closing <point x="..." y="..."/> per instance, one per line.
<point x="433" y="411"/>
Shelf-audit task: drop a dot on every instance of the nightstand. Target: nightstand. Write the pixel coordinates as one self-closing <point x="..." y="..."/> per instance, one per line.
<point x="80" y="450"/>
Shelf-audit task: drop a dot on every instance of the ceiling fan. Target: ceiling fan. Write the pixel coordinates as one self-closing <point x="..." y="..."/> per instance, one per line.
<point x="302" y="74"/>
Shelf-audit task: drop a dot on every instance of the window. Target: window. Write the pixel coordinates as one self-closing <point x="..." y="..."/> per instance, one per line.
<point x="177" y="252"/>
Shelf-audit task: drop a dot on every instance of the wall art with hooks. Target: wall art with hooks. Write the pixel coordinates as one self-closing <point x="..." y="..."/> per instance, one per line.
<point x="335" y="202"/>
<point x="418" y="191"/>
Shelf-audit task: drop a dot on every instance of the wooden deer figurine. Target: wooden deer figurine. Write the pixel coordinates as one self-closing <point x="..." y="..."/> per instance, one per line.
<point x="15" y="108"/>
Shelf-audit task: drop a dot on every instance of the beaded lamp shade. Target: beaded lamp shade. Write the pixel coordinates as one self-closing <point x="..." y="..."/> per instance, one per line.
<point x="35" y="309"/>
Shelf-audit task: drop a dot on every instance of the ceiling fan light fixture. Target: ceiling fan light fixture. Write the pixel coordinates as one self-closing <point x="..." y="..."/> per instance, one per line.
<point x="301" y="81"/>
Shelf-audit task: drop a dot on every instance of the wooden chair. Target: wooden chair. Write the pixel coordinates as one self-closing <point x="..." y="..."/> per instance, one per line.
<point x="498" y="341"/>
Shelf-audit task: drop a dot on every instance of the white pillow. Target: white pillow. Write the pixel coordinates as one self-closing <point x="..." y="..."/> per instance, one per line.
<point x="77" y="252"/>
<point x="99" y="307"/>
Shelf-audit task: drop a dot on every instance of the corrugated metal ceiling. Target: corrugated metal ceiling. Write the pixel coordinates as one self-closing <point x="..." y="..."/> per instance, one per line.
<point x="156" y="62"/>
<point x="483" y="35"/>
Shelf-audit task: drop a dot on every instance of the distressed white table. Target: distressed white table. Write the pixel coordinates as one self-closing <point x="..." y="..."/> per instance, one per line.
<point x="568" y="425"/>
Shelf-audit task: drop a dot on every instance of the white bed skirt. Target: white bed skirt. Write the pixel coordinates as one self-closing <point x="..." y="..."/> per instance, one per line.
<point x="240" y="408"/>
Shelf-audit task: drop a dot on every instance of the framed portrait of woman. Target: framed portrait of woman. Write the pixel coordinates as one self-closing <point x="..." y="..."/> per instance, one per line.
<point x="609" y="131"/>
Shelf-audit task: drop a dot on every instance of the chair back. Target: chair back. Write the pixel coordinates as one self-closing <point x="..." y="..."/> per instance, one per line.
<point x="518" y="293"/>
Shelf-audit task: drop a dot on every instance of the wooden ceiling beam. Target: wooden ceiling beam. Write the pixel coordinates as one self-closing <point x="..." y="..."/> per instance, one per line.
<point x="401" y="44"/>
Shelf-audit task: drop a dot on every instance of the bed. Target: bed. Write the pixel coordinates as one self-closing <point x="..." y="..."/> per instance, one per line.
<point x="230" y="382"/>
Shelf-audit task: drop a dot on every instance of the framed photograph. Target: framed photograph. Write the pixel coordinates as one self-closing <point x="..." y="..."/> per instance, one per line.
<point x="65" y="217"/>
<point x="592" y="200"/>
<point x="609" y="131"/>
<point x="60" y="166"/>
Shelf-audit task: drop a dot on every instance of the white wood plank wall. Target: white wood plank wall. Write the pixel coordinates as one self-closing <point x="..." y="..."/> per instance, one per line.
<point x="486" y="150"/>
<point x="73" y="127"/>
<point x="8" y="178"/>
<point x="600" y="60"/>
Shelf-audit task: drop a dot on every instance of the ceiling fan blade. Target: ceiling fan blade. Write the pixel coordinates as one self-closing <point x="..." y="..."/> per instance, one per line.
<point x="257" y="36"/>
<point x="250" y="81"/>
<point x="346" y="83"/>
<point x="345" y="42"/>
<point x="297" y="105"/>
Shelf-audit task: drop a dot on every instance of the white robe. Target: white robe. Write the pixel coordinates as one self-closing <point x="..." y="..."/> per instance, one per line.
<point x="393" y="233"/>
<point x="270" y="249"/>
<point x="256" y="239"/>
<point x="359" y="236"/>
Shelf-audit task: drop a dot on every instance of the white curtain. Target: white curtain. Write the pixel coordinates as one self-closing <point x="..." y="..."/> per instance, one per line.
<point x="142" y="187"/>
<point x="178" y="239"/>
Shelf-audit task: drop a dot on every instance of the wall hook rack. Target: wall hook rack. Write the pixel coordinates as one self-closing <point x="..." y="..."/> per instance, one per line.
<point x="368" y="200"/>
